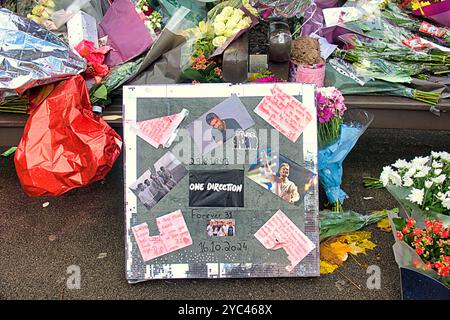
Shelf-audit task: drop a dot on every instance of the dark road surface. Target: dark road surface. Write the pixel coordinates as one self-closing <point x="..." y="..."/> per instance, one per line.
<point x="85" y="228"/>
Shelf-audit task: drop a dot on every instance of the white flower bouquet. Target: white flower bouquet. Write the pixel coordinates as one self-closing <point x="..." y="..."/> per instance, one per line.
<point x="421" y="186"/>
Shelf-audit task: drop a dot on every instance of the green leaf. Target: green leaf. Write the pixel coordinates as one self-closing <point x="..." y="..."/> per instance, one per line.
<point x="399" y="223"/>
<point x="101" y="92"/>
<point x="9" y="152"/>
<point x="192" y="74"/>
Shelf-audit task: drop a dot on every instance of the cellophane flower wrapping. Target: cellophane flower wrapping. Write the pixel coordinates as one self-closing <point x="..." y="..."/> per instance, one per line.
<point x="65" y="145"/>
<point x="438" y="12"/>
<point x="332" y="156"/>
<point x="282" y="8"/>
<point x="32" y="56"/>
<point x="406" y="257"/>
<point x="412" y="210"/>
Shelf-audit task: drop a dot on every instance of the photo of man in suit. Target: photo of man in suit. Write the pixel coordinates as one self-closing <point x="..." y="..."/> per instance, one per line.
<point x="223" y="129"/>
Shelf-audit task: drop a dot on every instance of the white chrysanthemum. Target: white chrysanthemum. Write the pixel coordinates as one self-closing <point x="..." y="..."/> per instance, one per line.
<point x="440" y="179"/>
<point x="428" y="184"/>
<point x="420" y="161"/>
<point x="437" y="172"/>
<point x="402" y="164"/>
<point x="407" y="182"/>
<point x="435" y="155"/>
<point x="411" y="172"/>
<point x="437" y="164"/>
<point x="395" y="178"/>
<point x="422" y="172"/>
<point x="416" y="196"/>
<point x="384" y="176"/>
<point x="446" y="203"/>
<point x="445" y="156"/>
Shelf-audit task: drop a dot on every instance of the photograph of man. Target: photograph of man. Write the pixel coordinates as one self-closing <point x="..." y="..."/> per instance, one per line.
<point x="223" y="129"/>
<point x="157" y="181"/>
<point x="167" y="177"/>
<point x="219" y="125"/>
<point x="280" y="183"/>
<point x="158" y="186"/>
<point x="245" y="140"/>
<point x="230" y="230"/>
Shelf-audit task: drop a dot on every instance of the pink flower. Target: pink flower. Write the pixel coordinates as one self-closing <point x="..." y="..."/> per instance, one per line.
<point x="325" y="115"/>
<point x="270" y="78"/>
<point x="88" y="51"/>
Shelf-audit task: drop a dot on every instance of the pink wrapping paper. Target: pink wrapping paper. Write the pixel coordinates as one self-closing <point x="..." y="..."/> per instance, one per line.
<point x="119" y="22"/>
<point x="438" y="12"/>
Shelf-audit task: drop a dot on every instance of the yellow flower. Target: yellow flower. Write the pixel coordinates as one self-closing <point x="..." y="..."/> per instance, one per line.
<point x="219" y="28"/>
<point x="204" y="27"/>
<point x="227" y="11"/>
<point x="219" y="41"/>
<point x="34" y="18"/>
<point x="250" y="8"/>
<point x="38" y="10"/>
<point x="48" y="3"/>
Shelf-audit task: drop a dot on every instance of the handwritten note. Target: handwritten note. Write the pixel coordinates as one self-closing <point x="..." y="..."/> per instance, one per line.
<point x="284" y="113"/>
<point x="174" y="235"/>
<point x="280" y="232"/>
<point x="160" y="131"/>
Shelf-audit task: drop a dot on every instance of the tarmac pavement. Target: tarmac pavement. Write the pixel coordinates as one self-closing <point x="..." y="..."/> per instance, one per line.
<point x="86" y="228"/>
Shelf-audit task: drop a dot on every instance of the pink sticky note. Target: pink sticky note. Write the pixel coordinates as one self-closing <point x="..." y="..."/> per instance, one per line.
<point x="150" y="247"/>
<point x="174" y="231"/>
<point x="160" y="131"/>
<point x="285" y="113"/>
<point x="174" y="235"/>
<point x="280" y="232"/>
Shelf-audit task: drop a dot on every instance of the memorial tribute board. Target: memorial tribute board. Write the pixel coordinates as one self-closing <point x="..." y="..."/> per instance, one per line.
<point x="221" y="181"/>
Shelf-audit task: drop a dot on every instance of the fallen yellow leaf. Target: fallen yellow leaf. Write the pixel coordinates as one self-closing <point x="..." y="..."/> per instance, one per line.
<point x="326" y="267"/>
<point x="335" y="251"/>
<point x="384" y="225"/>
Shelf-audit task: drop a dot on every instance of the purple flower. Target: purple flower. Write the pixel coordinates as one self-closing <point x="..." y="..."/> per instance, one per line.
<point x="270" y="78"/>
<point x="321" y="99"/>
<point x="325" y="115"/>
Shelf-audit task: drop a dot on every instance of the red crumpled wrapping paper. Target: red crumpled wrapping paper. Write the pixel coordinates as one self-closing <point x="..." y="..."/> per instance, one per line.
<point x="65" y="145"/>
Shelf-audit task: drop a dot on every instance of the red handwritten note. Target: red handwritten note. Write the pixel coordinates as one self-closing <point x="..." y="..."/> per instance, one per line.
<point x="284" y="113"/>
<point x="174" y="235"/>
<point x="280" y="232"/>
<point x="160" y="131"/>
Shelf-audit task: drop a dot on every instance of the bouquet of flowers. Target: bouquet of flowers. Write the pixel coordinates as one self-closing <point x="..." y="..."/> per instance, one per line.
<point x="148" y="10"/>
<point x="423" y="247"/>
<point x="330" y="113"/>
<point x="95" y="58"/>
<point x="210" y="38"/>
<point x="421" y="186"/>
<point x="42" y="12"/>
<point x="395" y="14"/>
<point x="228" y="23"/>
<point x="337" y="135"/>
<point x="344" y="76"/>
